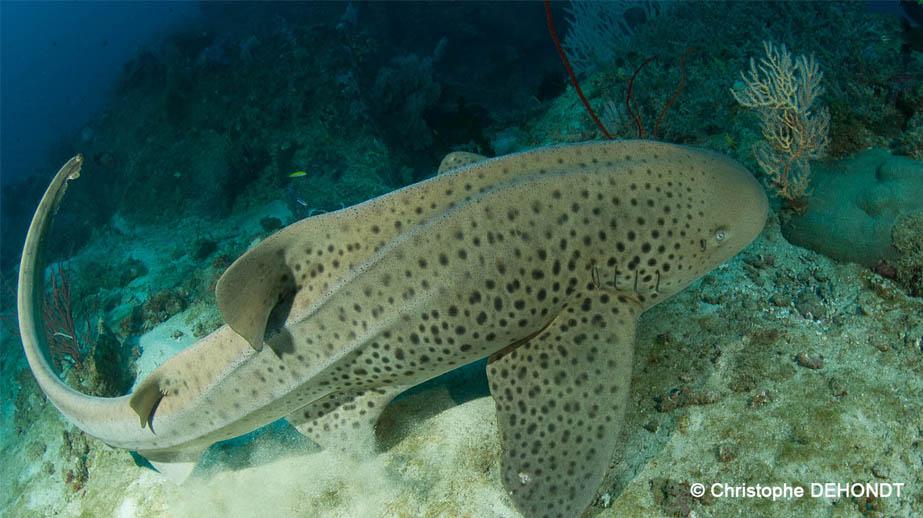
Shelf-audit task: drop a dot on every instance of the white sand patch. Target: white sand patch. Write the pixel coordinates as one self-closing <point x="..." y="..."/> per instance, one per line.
<point x="127" y="509"/>
<point x="445" y="466"/>
<point x="158" y="345"/>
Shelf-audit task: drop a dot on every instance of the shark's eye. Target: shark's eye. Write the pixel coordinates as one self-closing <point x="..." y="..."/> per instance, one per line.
<point x="720" y="235"/>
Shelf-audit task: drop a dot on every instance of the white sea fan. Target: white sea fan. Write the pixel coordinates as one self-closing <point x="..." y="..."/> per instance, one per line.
<point x="599" y="29"/>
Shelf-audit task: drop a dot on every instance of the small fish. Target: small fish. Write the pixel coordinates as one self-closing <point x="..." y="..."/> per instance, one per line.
<point x="298" y="174"/>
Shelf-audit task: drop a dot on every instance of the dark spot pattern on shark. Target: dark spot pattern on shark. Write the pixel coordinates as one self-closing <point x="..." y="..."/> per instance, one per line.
<point x="541" y="261"/>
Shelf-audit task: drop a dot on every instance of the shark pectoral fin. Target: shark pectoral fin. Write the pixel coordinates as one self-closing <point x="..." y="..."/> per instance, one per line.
<point x="345" y="421"/>
<point x="560" y="399"/>
<point x="252" y="287"/>
<point x="145" y="398"/>
<point x="176" y="466"/>
<point x="457" y="159"/>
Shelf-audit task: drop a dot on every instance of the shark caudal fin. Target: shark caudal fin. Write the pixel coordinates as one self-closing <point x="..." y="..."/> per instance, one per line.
<point x="108" y="419"/>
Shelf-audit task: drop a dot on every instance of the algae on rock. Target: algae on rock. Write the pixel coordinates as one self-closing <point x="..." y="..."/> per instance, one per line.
<point x="908" y="240"/>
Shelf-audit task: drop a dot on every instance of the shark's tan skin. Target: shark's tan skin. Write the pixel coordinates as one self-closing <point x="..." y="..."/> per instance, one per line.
<point x="541" y="260"/>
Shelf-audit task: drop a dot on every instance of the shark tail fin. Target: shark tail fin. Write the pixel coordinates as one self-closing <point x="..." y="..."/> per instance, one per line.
<point x="101" y="417"/>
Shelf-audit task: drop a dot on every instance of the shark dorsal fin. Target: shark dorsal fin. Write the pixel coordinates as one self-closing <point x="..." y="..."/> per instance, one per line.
<point x="252" y="287"/>
<point x="457" y="160"/>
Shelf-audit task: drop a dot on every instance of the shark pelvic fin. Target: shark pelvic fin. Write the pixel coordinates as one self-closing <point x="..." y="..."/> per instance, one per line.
<point x="457" y="160"/>
<point x="345" y="421"/>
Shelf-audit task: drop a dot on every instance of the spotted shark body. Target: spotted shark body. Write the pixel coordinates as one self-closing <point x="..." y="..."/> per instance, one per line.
<point x="541" y="261"/>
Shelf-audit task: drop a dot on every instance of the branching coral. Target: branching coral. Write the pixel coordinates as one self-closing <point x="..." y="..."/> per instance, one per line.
<point x="61" y="333"/>
<point x="783" y="90"/>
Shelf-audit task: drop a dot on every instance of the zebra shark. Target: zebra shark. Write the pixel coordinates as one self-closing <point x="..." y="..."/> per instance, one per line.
<point x="541" y="261"/>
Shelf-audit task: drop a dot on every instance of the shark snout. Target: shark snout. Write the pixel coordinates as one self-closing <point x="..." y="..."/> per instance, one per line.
<point x="752" y="209"/>
<point x="739" y="205"/>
